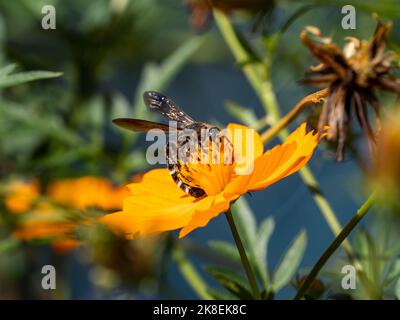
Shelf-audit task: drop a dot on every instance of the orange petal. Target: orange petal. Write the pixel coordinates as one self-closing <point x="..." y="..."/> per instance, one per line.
<point x="277" y="163"/>
<point x="201" y="218"/>
<point x="156" y="205"/>
<point x="286" y="160"/>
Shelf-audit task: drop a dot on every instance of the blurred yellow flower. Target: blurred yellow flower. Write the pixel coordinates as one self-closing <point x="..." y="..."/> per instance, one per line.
<point x="156" y="204"/>
<point x="20" y="195"/>
<point x="46" y="219"/>
<point x="86" y="192"/>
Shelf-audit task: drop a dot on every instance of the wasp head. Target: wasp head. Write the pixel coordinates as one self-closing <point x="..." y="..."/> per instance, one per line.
<point x="153" y="99"/>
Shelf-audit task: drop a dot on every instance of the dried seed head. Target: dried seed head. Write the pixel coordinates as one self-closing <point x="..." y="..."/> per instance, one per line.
<point x="352" y="74"/>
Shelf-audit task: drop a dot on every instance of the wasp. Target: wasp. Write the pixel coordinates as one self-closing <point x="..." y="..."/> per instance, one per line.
<point x="164" y="106"/>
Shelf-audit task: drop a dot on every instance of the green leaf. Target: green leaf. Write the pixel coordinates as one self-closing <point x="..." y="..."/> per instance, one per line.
<point x="245" y="222"/>
<point x="244" y="115"/>
<point x="96" y="113"/>
<point x="120" y="107"/>
<point x="393" y="272"/>
<point x="225" y="249"/>
<point x="21" y="142"/>
<point x="290" y="262"/>
<point x="220" y="295"/>
<point x="22" y="77"/>
<point x="261" y="248"/>
<point x="7" y="69"/>
<point x="50" y="125"/>
<point x="231" y="281"/>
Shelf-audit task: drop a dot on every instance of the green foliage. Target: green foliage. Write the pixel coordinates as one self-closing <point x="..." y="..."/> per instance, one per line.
<point x="377" y="253"/>
<point x="261" y="249"/>
<point x="233" y="282"/>
<point x="290" y="262"/>
<point x="256" y="244"/>
<point x="225" y="249"/>
<point x="243" y="114"/>
<point x="9" y="80"/>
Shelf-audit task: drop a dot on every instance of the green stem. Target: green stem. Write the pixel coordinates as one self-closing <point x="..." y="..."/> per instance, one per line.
<point x="243" y="256"/>
<point x="334" y="245"/>
<point x="190" y="274"/>
<point x="258" y="77"/>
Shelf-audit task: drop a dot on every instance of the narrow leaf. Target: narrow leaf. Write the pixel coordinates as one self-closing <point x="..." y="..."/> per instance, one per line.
<point x="261" y="248"/>
<point x="220" y="294"/>
<point x="244" y="115"/>
<point x="225" y="249"/>
<point x="231" y="281"/>
<point x="245" y="221"/>
<point x="22" y="77"/>
<point x="7" y="69"/>
<point x="290" y="262"/>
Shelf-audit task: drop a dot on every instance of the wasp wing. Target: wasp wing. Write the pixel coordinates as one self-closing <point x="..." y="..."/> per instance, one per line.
<point x="159" y="103"/>
<point x="139" y="125"/>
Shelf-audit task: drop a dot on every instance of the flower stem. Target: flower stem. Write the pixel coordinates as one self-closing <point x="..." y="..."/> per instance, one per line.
<point x="190" y="273"/>
<point x="287" y="119"/>
<point x="334" y="245"/>
<point x="261" y="83"/>
<point x="243" y="256"/>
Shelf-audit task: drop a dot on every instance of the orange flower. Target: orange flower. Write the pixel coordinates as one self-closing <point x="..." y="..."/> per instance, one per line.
<point x="87" y="192"/>
<point x="36" y="229"/>
<point x="43" y="221"/>
<point x="156" y="204"/>
<point x="46" y="221"/>
<point x="20" y="195"/>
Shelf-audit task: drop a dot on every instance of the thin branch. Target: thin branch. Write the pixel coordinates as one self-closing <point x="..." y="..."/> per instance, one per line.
<point x="243" y="256"/>
<point x="282" y="123"/>
<point x="334" y="245"/>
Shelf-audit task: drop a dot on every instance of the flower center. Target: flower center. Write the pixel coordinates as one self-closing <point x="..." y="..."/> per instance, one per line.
<point x="210" y="168"/>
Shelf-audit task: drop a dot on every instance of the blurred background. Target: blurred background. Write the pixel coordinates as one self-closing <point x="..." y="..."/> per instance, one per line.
<point x="61" y="157"/>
